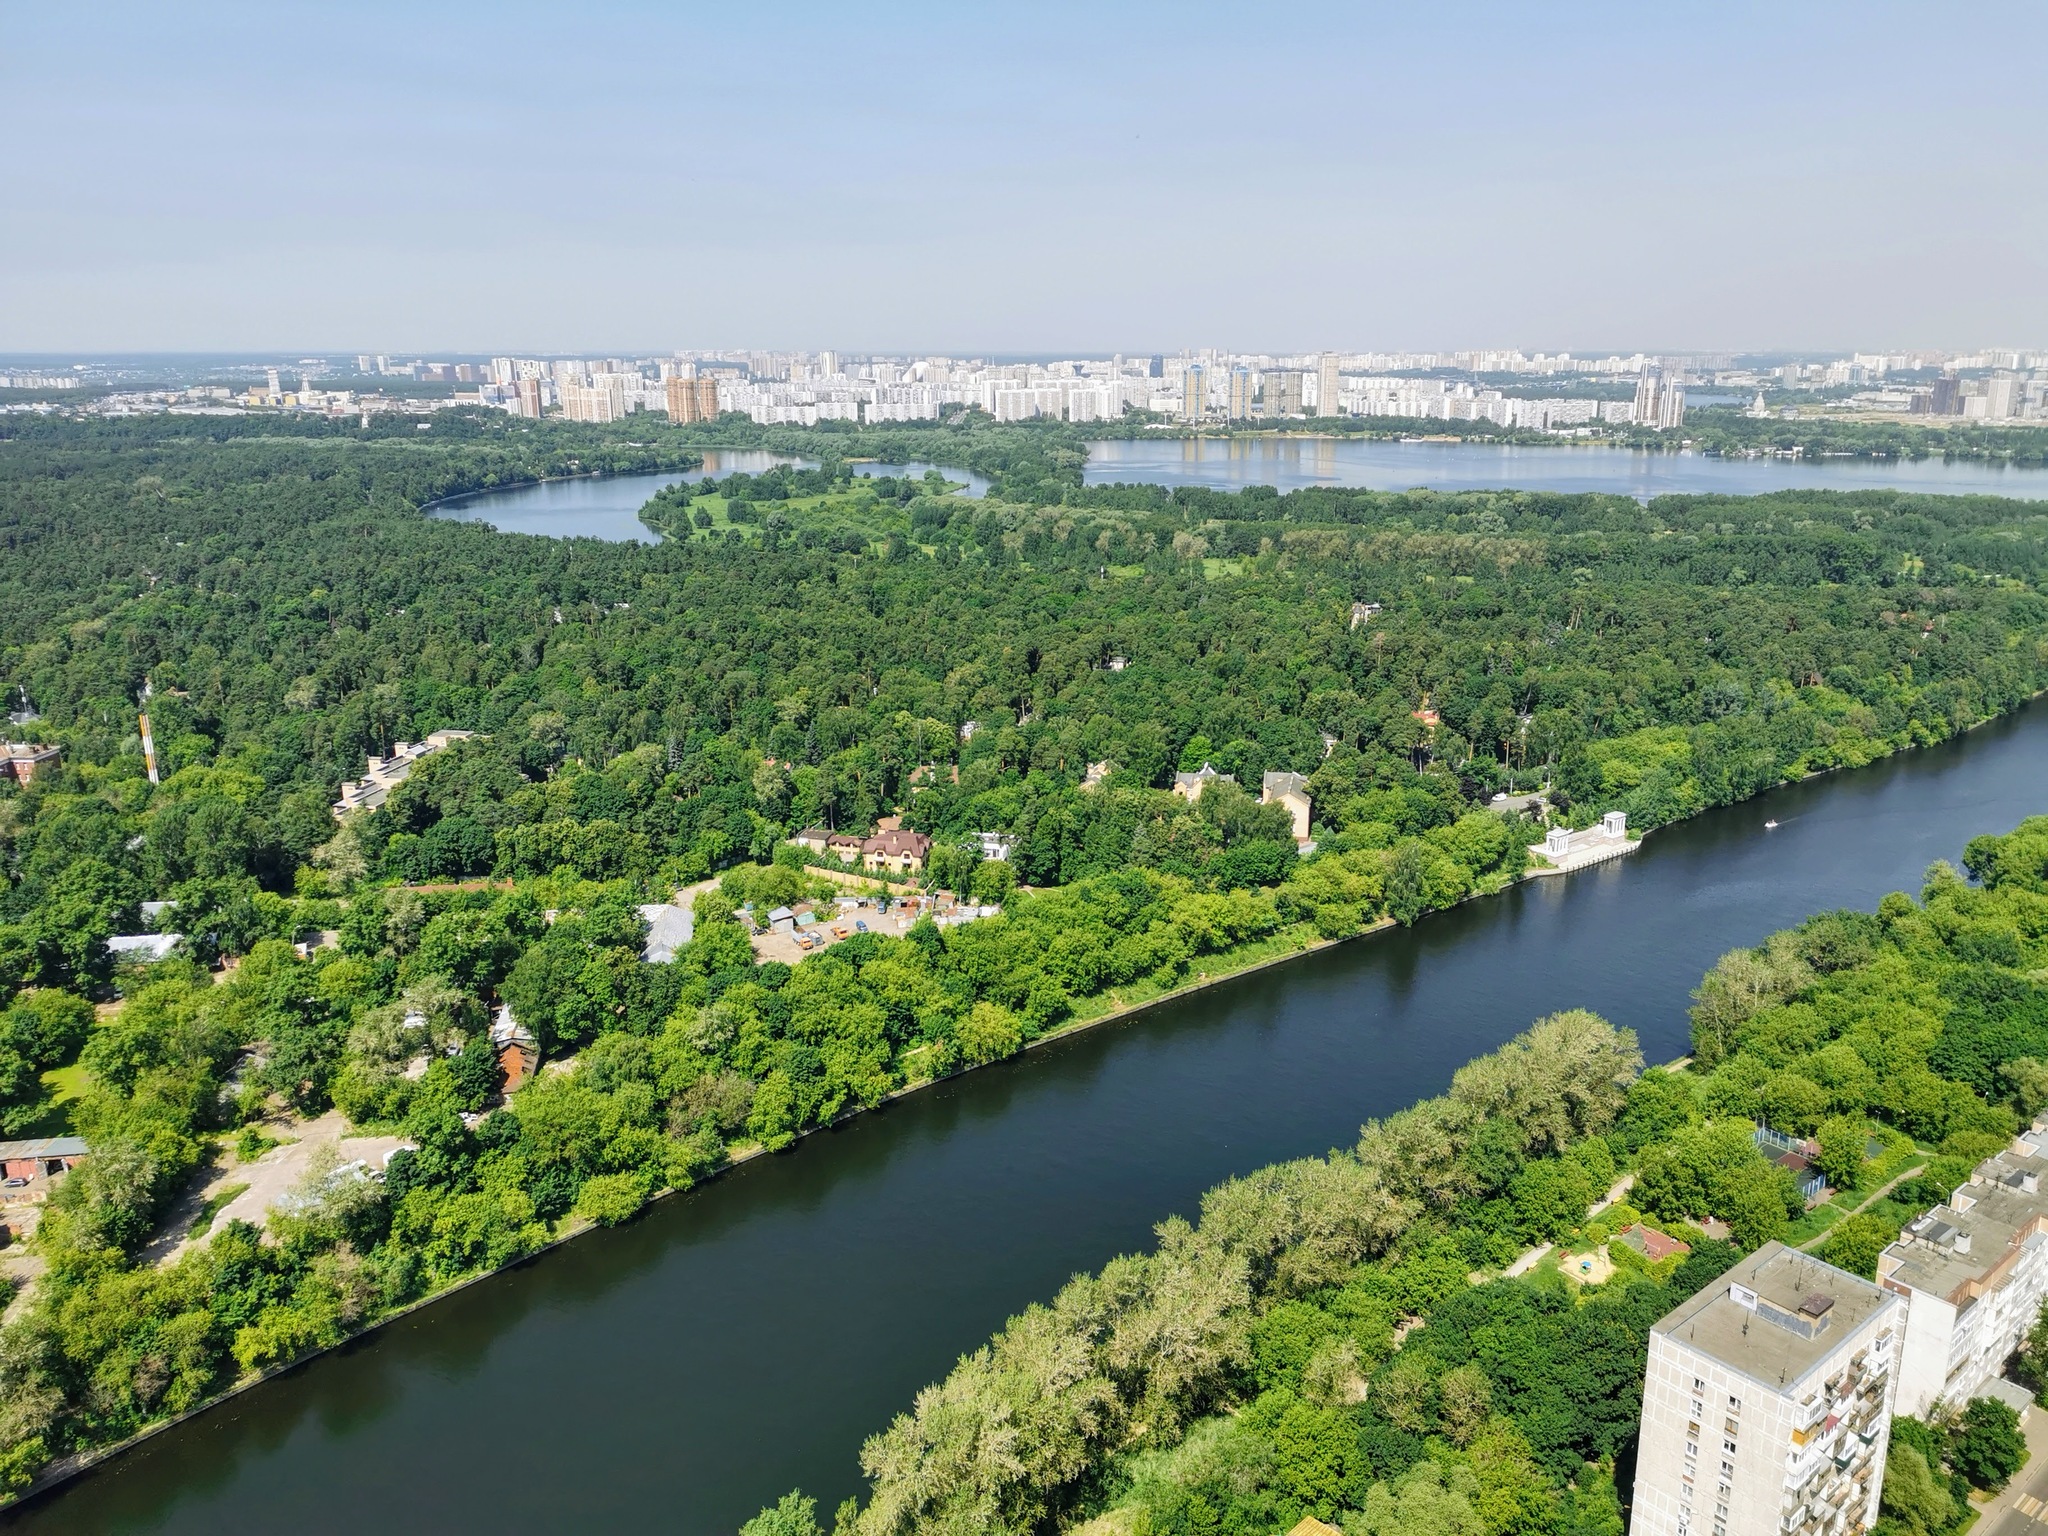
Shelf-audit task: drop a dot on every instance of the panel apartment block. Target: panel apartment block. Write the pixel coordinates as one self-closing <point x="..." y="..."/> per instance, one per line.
<point x="1973" y="1272"/>
<point x="1767" y="1403"/>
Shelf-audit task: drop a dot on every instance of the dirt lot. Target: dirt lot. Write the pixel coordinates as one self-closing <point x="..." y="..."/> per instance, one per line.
<point x="784" y="947"/>
<point x="276" y="1171"/>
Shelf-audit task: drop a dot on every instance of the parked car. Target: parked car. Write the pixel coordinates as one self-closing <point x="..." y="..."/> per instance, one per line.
<point x="860" y="924"/>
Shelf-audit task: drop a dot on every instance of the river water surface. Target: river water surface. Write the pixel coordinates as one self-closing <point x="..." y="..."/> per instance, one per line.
<point x="676" y="1374"/>
<point x="608" y="507"/>
<point x="1292" y="463"/>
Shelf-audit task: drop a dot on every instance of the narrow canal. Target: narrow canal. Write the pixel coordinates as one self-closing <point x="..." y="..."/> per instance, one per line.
<point x="676" y="1374"/>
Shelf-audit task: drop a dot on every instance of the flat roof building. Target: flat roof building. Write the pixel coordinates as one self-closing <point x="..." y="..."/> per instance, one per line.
<point x="1767" y="1403"/>
<point x="387" y="773"/>
<point x="1973" y="1272"/>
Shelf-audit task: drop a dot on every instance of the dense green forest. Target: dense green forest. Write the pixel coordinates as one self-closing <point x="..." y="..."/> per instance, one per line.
<point x="1325" y="1338"/>
<point x="804" y="645"/>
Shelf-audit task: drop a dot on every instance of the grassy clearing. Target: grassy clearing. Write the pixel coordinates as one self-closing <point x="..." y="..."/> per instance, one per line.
<point x="215" y="1204"/>
<point x="66" y="1085"/>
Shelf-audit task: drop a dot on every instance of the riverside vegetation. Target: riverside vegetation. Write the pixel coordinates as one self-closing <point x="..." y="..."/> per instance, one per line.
<point x="813" y="646"/>
<point x="1331" y="1337"/>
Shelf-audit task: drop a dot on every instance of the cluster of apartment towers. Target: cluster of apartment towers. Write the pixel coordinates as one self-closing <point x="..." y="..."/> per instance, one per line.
<point x="1768" y="1397"/>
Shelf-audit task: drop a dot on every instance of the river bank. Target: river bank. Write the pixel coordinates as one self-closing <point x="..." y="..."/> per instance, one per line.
<point x="1242" y="1069"/>
<point x="1224" y="966"/>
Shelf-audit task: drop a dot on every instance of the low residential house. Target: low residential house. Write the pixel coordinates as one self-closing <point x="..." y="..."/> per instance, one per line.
<point x="1290" y="790"/>
<point x="895" y="852"/>
<point x="142" y="948"/>
<point x="1097" y="772"/>
<point x="669" y="928"/>
<point x="1364" y="613"/>
<point x="25" y="761"/>
<point x="385" y="774"/>
<point x="1189" y="786"/>
<point x="518" y="1050"/>
<point x="1652" y="1244"/>
<point x="997" y="846"/>
<point x="813" y="838"/>
<point x="40" y="1159"/>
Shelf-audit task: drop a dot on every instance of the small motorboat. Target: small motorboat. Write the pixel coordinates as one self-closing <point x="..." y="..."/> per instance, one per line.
<point x="1770" y="826"/>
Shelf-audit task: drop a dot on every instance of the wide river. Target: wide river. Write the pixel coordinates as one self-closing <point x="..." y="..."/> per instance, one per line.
<point x="1294" y="462"/>
<point x="676" y="1374"/>
<point x="608" y="507"/>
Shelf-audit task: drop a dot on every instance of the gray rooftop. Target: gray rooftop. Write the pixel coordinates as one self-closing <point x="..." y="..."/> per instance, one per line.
<point x="44" y="1146"/>
<point x="1802" y="1312"/>
<point x="1985" y="1221"/>
<point x="669" y="928"/>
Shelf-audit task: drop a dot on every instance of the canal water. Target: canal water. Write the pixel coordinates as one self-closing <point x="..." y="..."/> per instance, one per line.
<point x="676" y="1374"/>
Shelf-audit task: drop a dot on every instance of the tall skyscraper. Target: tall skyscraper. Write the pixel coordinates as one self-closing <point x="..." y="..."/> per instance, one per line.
<point x="1283" y="393"/>
<point x="1194" y="394"/>
<point x="707" y="397"/>
<point x="529" y="397"/>
<point x="1767" y="1403"/>
<point x="1238" y="403"/>
<point x="1329" y="383"/>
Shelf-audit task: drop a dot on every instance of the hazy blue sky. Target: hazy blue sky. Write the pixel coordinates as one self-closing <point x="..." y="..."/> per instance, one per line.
<point x="1025" y="177"/>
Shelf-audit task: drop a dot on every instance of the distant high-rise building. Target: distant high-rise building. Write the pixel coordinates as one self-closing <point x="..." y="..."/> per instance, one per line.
<point x="590" y="402"/>
<point x="1155" y="367"/>
<point x="529" y="397"/>
<point x="1283" y="393"/>
<point x="828" y="364"/>
<point x="271" y="382"/>
<point x="2003" y="393"/>
<point x="1946" y="398"/>
<point x="1660" y="400"/>
<point x="1647" y="390"/>
<point x="1194" y="394"/>
<point x="364" y="362"/>
<point x="1329" y="383"/>
<point x="1767" y="1403"/>
<point x="682" y="400"/>
<point x="707" y="397"/>
<point x="1238" y="402"/>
